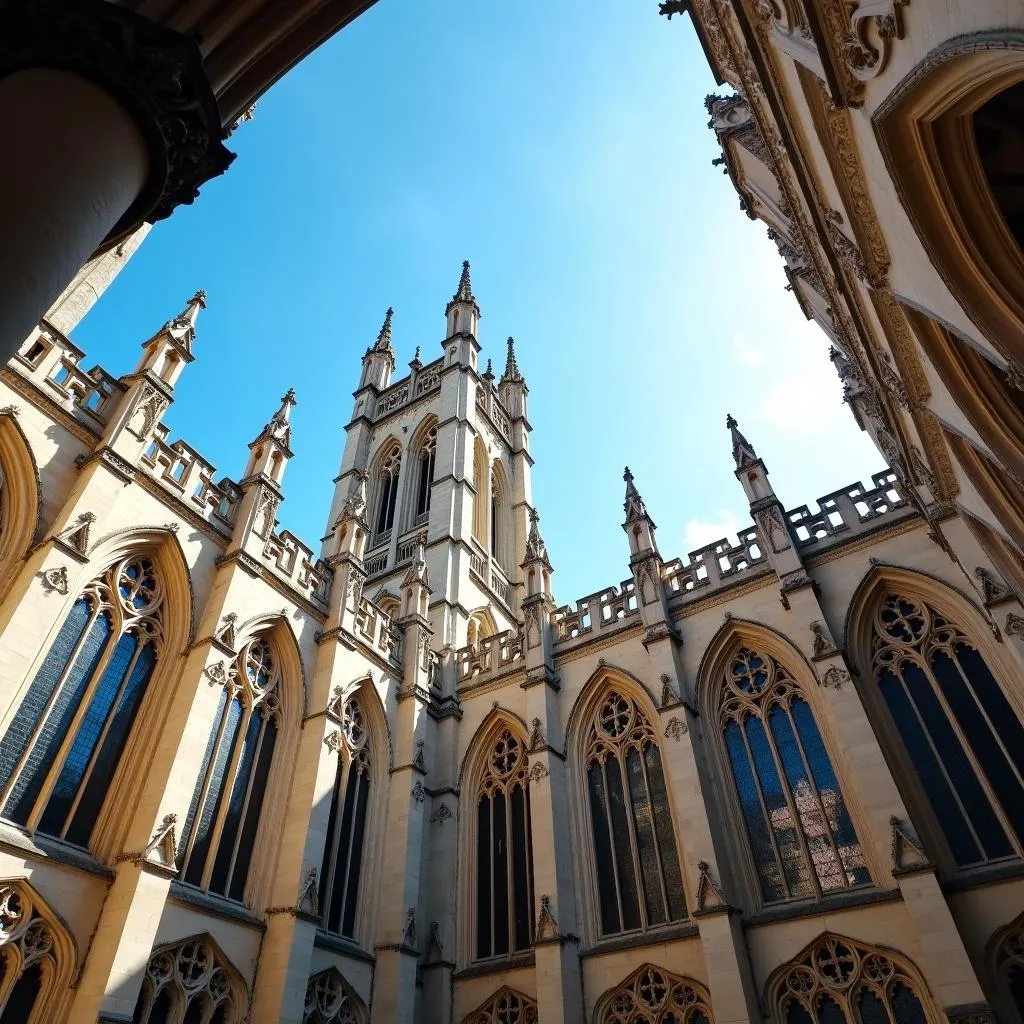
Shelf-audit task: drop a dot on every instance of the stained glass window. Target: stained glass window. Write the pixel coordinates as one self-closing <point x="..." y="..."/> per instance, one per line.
<point x="330" y="1000"/>
<point x="29" y="958"/>
<point x="639" y="882"/>
<point x="839" y="981"/>
<point x="88" y="689"/>
<point x="801" y="835"/>
<point x="346" y="828"/>
<point x="504" y="855"/>
<point x="962" y="736"/>
<point x="224" y="814"/>
<point x="506" y="1006"/>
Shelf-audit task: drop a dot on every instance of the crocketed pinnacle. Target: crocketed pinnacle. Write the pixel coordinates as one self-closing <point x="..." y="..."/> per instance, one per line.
<point x="283" y="414"/>
<point x="536" y="549"/>
<point x="383" y="343"/>
<point x="465" y="289"/>
<point x="186" y="319"/>
<point x="489" y="372"/>
<point x="742" y="450"/>
<point x="633" y="505"/>
<point x="511" y="366"/>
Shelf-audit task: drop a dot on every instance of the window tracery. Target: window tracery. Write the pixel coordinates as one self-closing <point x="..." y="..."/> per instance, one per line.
<point x="651" y="995"/>
<point x="837" y="980"/>
<point x="28" y="956"/>
<point x="506" y="1006"/>
<point x="426" y="457"/>
<point x="190" y="982"/>
<point x="1009" y="961"/>
<point x="387" y="489"/>
<point x="329" y="1000"/>
<point x="504" y="856"/>
<point x="89" y="687"/>
<point x="224" y="815"/>
<point x="346" y="828"/>
<point x="962" y="736"/>
<point x="638" y="879"/>
<point x="801" y="836"/>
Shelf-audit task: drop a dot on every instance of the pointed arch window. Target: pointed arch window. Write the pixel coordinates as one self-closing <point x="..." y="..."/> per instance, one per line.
<point x="387" y="489"/>
<point x="346" y="828"/>
<point x="497" y="516"/>
<point x="504" y="856"/>
<point x="961" y="734"/>
<point x="639" y="883"/>
<point x="651" y="994"/>
<point x="224" y="815"/>
<point x="65" y="741"/>
<point x="506" y="1006"/>
<point x="481" y="488"/>
<point x="427" y="452"/>
<point x="801" y="835"/>
<point x="29" y="959"/>
<point x="190" y="983"/>
<point x="330" y="1000"/>
<point x="839" y="981"/>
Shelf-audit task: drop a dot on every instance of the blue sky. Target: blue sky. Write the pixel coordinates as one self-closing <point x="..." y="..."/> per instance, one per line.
<point x="563" y="149"/>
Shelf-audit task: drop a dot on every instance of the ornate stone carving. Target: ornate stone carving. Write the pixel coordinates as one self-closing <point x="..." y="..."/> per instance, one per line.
<point x="418" y="759"/>
<point x="538" y="771"/>
<point x="56" y="579"/>
<point x="441" y="814"/>
<point x="1014" y="625"/>
<point x="547" y="926"/>
<point x="905" y="847"/>
<point x="220" y="673"/>
<point x="835" y="677"/>
<point x="309" y="894"/>
<point x="668" y="693"/>
<point x="76" y="536"/>
<point x="10" y="410"/>
<point x="821" y="644"/>
<point x="225" y="633"/>
<point x="419" y="794"/>
<point x="536" y="736"/>
<point x="409" y="934"/>
<point x="675" y="728"/>
<point x="993" y="589"/>
<point x="334" y="741"/>
<point x="709" y="895"/>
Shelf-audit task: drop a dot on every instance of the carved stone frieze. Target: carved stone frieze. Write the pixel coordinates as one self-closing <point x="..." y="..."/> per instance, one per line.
<point x="56" y="579"/>
<point x="835" y="677"/>
<point x="675" y="728"/>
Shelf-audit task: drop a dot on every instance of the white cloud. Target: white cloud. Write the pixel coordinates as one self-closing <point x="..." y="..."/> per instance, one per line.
<point x="745" y="353"/>
<point x="699" y="532"/>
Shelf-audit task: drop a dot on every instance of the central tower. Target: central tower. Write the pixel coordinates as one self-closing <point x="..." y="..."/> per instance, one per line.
<point x="444" y="457"/>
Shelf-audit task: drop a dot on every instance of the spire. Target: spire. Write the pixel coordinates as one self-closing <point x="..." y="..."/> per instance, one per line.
<point x="511" y="366"/>
<point x="280" y="421"/>
<point x="464" y="293"/>
<point x="742" y="450"/>
<point x="187" y="317"/>
<point x="536" y="549"/>
<point x="633" y="505"/>
<point x="489" y="373"/>
<point x="383" y="343"/>
<point x="273" y="442"/>
<point x="460" y="319"/>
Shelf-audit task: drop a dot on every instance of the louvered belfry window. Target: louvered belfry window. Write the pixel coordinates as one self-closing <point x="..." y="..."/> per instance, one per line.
<point x="962" y="737"/>
<point x="346" y="828"/>
<point x="801" y="835"/>
<point x="639" y="883"/>
<point x="89" y="689"/>
<point x="224" y="815"/>
<point x="504" y="857"/>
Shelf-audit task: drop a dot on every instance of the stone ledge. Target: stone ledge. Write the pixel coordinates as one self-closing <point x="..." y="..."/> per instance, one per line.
<point x="826" y="905"/>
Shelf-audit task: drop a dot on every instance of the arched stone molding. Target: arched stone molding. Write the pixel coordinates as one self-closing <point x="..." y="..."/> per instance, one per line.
<point x="501" y="519"/>
<point x="20" y="498"/>
<point x="286" y="646"/>
<point x="1003" y="555"/>
<point x="734" y="635"/>
<point x="842" y="969"/>
<point x="954" y="607"/>
<point x="604" y="680"/>
<point x="481" y="624"/>
<point x="194" y="968"/>
<point x="926" y="136"/>
<point x="471" y="773"/>
<point x="1004" y="958"/>
<point x="651" y="994"/>
<point x="419" y="438"/>
<point x="506" y="1006"/>
<point x="330" y="999"/>
<point x="481" y="493"/>
<point x="32" y="932"/>
<point x="161" y="545"/>
<point x="386" y="450"/>
<point x="376" y="714"/>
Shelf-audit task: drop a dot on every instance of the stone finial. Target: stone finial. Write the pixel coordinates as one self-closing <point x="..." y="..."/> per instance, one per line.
<point x="742" y="450"/>
<point x="634" y="504"/>
<point x="489" y="373"/>
<point x="383" y="343"/>
<point x="283" y="414"/>
<point x="511" y="366"/>
<point x="536" y="549"/>
<point x="464" y="293"/>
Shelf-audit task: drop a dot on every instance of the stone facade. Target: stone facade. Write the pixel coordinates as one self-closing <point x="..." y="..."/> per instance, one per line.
<point x="395" y="782"/>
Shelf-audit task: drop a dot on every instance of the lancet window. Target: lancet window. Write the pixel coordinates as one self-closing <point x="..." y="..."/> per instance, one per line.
<point x="64" y="743"/>
<point x="839" y="981"/>
<point x="481" y="487"/>
<point x="387" y="489"/>
<point x="506" y="1006"/>
<point x="1009" y="961"/>
<point x="28" y="958"/>
<point x="504" y="858"/>
<point x="224" y="816"/>
<point x="639" y="884"/>
<point x="329" y="1000"/>
<point x="962" y="736"/>
<point x="427" y="452"/>
<point x="651" y="995"/>
<point x="497" y="516"/>
<point x="190" y="983"/>
<point x="801" y="835"/>
<point x="346" y="828"/>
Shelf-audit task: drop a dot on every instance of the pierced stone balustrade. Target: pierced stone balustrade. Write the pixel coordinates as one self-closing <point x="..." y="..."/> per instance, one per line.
<point x="603" y="610"/>
<point x="374" y="626"/>
<point x="489" y="655"/>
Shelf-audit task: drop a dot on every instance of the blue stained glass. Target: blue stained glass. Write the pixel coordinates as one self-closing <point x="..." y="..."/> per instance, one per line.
<point x="794" y="866"/>
<point x="603" y="851"/>
<point x="201" y="847"/>
<point x="341" y="866"/>
<point x="348" y="921"/>
<point x="236" y="804"/>
<point x="979" y="736"/>
<point x="645" y="843"/>
<point x="22" y="999"/>
<point x="962" y="845"/>
<point x="843" y="832"/>
<point x="830" y="1012"/>
<point x="31" y="709"/>
<point x="628" y="894"/>
<point x="994" y="701"/>
<point x="772" y="885"/>
<point x="113" y="746"/>
<point x="30" y="781"/>
<point x="332" y="821"/>
<point x="483" y="878"/>
<point x="907" y="1008"/>
<point x="796" y="1014"/>
<point x="959" y="769"/>
<point x="665" y="834"/>
<point x="251" y="822"/>
<point x="203" y="768"/>
<point x="73" y="770"/>
<point x="871" y="1009"/>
